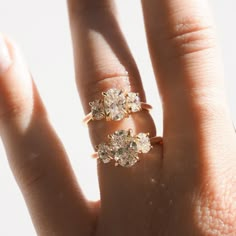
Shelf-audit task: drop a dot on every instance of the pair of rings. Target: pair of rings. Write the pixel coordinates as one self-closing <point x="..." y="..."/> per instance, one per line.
<point x="123" y="147"/>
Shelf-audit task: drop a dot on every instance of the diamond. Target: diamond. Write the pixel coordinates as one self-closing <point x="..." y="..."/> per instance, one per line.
<point x="104" y="153"/>
<point x="120" y="137"/>
<point x="124" y="148"/>
<point x="126" y="159"/>
<point x="115" y="104"/>
<point x="133" y="102"/>
<point x="143" y="143"/>
<point x="97" y="110"/>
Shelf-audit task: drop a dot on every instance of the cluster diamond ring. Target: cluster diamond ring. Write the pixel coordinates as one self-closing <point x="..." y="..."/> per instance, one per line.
<point x="115" y="105"/>
<point x="124" y="147"/>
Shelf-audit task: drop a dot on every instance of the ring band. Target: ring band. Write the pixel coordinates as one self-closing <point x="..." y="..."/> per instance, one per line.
<point x="115" y="105"/>
<point x="123" y="147"/>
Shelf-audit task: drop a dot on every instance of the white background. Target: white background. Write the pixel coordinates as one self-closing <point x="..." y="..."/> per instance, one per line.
<point x="42" y="31"/>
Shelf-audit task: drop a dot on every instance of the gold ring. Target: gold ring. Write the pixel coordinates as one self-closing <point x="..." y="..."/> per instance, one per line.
<point x="123" y="147"/>
<point x="115" y="105"/>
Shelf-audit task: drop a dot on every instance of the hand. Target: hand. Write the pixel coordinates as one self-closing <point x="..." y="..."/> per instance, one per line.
<point x="185" y="186"/>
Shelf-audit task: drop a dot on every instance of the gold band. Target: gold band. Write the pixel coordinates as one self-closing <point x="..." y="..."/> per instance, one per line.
<point x="89" y="117"/>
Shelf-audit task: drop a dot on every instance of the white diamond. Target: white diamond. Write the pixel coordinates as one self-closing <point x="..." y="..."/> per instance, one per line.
<point x="126" y="159"/>
<point x="114" y="103"/>
<point x="104" y="153"/>
<point x="120" y="137"/>
<point x="143" y="143"/>
<point x="97" y="110"/>
<point x="133" y="102"/>
<point x="124" y="148"/>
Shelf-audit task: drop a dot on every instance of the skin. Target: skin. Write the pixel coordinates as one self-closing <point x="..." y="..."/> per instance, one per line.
<point x="185" y="186"/>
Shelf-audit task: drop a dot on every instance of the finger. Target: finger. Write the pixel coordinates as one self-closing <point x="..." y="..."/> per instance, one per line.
<point x="188" y="69"/>
<point x="35" y="154"/>
<point x="198" y="137"/>
<point x="102" y="60"/>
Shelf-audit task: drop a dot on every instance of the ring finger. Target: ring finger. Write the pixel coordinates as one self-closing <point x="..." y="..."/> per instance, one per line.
<point x="103" y="61"/>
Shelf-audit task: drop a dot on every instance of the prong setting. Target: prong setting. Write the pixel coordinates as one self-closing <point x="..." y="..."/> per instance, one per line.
<point x="115" y="105"/>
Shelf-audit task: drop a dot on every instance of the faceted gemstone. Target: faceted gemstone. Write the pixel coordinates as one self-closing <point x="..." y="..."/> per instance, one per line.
<point x="126" y="159"/>
<point x="133" y="102"/>
<point x="114" y="103"/>
<point x="124" y="148"/>
<point x="143" y="143"/>
<point x="119" y="138"/>
<point x="97" y="109"/>
<point x="104" y="153"/>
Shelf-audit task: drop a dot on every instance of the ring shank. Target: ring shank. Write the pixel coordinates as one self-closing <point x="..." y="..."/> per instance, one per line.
<point x="144" y="106"/>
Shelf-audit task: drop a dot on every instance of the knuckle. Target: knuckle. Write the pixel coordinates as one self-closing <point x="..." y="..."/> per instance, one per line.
<point x="14" y="110"/>
<point x="190" y="35"/>
<point x="21" y="109"/>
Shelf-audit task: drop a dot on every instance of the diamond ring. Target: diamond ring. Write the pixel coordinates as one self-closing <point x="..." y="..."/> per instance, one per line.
<point x="115" y="105"/>
<point x="123" y="147"/>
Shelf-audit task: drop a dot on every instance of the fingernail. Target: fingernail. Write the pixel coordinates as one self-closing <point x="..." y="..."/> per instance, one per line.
<point x="5" y="59"/>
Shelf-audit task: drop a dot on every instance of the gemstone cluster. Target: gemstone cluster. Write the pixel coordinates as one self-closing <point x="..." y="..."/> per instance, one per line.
<point x="123" y="148"/>
<point x="115" y="105"/>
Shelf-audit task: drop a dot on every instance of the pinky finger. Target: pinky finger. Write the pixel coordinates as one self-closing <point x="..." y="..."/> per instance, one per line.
<point x="36" y="156"/>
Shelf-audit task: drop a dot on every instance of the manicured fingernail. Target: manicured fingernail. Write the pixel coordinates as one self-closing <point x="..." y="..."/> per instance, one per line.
<point x="5" y="59"/>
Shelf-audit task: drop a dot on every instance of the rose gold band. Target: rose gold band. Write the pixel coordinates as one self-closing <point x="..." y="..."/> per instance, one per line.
<point x="144" y="106"/>
<point x="156" y="140"/>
